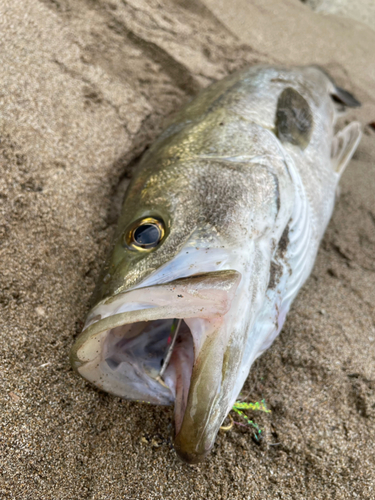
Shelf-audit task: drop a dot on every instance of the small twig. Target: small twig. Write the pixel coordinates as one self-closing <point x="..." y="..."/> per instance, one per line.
<point x="241" y="425"/>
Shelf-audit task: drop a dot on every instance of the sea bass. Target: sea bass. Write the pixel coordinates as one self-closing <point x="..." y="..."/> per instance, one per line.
<point x="219" y="230"/>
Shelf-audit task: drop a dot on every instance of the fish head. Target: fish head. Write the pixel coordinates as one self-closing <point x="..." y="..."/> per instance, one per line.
<point x="185" y="249"/>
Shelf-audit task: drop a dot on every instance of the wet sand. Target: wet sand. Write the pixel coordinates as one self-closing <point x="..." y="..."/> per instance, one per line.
<point x="85" y="87"/>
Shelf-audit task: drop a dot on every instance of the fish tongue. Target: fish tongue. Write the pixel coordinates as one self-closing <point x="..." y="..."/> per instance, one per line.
<point x="198" y="420"/>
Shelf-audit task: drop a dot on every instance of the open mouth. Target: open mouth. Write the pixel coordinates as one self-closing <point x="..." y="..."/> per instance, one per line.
<point x="148" y="344"/>
<point x="156" y="356"/>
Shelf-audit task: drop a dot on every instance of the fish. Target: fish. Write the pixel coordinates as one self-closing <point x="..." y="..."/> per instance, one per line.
<point x="219" y="229"/>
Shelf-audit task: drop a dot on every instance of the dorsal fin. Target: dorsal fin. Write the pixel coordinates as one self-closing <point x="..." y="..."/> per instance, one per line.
<point x="344" y="144"/>
<point x="345" y="98"/>
<point x="294" y="120"/>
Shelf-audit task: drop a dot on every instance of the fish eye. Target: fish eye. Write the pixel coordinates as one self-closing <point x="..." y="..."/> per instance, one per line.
<point x="145" y="234"/>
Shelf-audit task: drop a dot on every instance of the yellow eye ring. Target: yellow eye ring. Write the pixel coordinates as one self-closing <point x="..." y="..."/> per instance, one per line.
<point x="145" y="234"/>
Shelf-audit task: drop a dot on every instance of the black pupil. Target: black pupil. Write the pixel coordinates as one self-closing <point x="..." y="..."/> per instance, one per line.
<point x="147" y="235"/>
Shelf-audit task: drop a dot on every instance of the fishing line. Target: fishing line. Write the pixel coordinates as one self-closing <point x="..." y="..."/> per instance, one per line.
<point x="170" y="345"/>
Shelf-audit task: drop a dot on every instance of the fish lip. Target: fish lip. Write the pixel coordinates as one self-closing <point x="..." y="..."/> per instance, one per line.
<point x="96" y="328"/>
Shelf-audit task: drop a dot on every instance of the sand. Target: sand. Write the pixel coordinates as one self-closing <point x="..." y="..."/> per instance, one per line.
<point x="360" y="10"/>
<point x="85" y="86"/>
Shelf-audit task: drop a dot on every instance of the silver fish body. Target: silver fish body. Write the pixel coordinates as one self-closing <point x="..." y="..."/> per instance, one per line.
<point x="220" y="228"/>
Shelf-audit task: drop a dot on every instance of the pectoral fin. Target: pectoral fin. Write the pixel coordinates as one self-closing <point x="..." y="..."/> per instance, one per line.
<point x="344" y="144"/>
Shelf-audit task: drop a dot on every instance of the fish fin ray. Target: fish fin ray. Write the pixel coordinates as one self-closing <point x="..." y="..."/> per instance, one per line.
<point x="344" y="145"/>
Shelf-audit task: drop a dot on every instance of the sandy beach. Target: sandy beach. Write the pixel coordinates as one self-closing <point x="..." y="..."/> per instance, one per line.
<point x="85" y="87"/>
